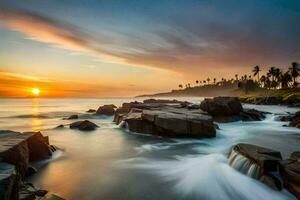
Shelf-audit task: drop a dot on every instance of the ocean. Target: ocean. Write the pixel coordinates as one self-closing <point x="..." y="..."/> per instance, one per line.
<point x="114" y="163"/>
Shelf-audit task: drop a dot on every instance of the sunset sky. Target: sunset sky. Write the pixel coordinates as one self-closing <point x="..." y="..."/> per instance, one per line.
<point x="97" y="48"/>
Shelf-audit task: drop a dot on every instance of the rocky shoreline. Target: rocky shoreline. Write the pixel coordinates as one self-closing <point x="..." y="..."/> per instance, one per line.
<point x="166" y="118"/>
<point x="17" y="150"/>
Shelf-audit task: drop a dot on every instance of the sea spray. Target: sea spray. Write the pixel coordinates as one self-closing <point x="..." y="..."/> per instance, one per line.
<point x="203" y="177"/>
<point x="243" y="164"/>
<point x="123" y="124"/>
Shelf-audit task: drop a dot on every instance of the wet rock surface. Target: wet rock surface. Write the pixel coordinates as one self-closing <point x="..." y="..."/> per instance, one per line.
<point x="9" y="182"/>
<point x="295" y="120"/>
<point x="290" y="173"/>
<point x="266" y="159"/>
<point x="229" y="109"/>
<point x="91" y="111"/>
<point x="72" y="117"/>
<point x="166" y="120"/>
<point x="222" y="106"/>
<point x="106" y="110"/>
<point x="17" y="150"/>
<point x="83" y="125"/>
<point x="21" y="148"/>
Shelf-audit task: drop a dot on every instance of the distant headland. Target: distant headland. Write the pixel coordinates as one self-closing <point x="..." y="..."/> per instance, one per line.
<point x="274" y="83"/>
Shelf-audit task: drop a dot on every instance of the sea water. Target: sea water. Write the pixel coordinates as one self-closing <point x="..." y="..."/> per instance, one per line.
<point x="113" y="163"/>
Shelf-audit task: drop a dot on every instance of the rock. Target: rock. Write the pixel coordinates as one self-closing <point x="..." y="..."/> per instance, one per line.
<point x="229" y="109"/>
<point x="30" y="171"/>
<point x="120" y="112"/>
<point x="72" y="117"/>
<point x="284" y="118"/>
<point x="290" y="172"/>
<point x="169" y="122"/>
<point x="20" y="148"/>
<point x="266" y="159"/>
<point x="9" y="182"/>
<point x="295" y="120"/>
<point x="162" y="101"/>
<point x="106" y="110"/>
<point x="40" y="193"/>
<point x="252" y="115"/>
<point x="271" y="181"/>
<point x="60" y="126"/>
<point x="83" y="125"/>
<point x="91" y="111"/>
<point x="222" y="106"/>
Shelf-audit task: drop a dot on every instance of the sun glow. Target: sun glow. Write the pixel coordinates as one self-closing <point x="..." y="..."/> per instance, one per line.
<point x="36" y="91"/>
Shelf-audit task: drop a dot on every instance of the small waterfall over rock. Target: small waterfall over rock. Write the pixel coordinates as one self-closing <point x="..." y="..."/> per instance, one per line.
<point x="122" y="124"/>
<point x="243" y="164"/>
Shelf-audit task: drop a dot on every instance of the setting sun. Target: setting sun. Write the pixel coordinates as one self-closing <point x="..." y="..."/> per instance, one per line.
<point x="36" y="91"/>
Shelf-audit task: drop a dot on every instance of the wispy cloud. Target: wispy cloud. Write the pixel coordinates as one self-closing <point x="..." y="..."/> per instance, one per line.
<point x="191" y="43"/>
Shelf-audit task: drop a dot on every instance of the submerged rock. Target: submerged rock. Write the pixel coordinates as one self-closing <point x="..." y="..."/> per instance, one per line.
<point x="91" y="111"/>
<point x="83" y="125"/>
<point x="106" y="110"/>
<point x="59" y="126"/>
<point x="72" y="117"/>
<point x="290" y="173"/>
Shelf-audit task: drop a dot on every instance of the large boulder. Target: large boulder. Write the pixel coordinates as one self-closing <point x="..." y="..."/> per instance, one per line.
<point x="256" y="162"/>
<point x="295" y="120"/>
<point x="222" y="106"/>
<point x="170" y="123"/>
<point x="290" y="173"/>
<point x="20" y="148"/>
<point x="106" y="110"/>
<point x="266" y="159"/>
<point x="229" y="109"/>
<point x="83" y="125"/>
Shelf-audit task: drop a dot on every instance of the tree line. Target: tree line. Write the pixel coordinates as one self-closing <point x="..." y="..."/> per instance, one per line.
<point x="274" y="78"/>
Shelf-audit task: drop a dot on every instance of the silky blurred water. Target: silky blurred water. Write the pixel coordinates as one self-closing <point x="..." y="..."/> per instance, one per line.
<point x="112" y="163"/>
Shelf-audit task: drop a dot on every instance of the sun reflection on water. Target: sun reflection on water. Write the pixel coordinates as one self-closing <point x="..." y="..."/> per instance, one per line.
<point x="35" y="111"/>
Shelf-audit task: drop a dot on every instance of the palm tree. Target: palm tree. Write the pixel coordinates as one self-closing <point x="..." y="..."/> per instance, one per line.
<point x="208" y="79"/>
<point x="215" y="81"/>
<point x="256" y="71"/>
<point x="285" y="79"/>
<point x="197" y="82"/>
<point x="272" y="72"/>
<point x="295" y="72"/>
<point x="180" y="86"/>
<point x="236" y="77"/>
<point x="263" y="79"/>
<point x="204" y="82"/>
